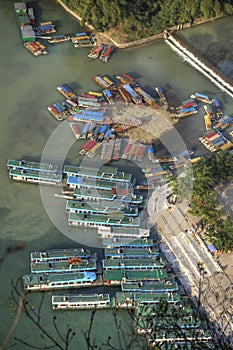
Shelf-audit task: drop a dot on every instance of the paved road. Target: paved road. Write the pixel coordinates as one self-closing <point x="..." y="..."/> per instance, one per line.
<point x="191" y="260"/>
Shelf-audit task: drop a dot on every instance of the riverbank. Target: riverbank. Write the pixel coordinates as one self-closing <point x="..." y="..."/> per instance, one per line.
<point x="108" y="40"/>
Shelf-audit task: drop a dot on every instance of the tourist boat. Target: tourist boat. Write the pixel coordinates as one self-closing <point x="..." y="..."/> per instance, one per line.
<point x="92" y="152"/>
<point x="60" y="255"/>
<point x="105" y="55"/>
<point x="113" y="195"/>
<point x="126" y="242"/>
<point x="131" y="253"/>
<point x="94" y="220"/>
<point x="129" y="299"/>
<point x="72" y="264"/>
<point x="74" y="206"/>
<point x="37" y="177"/>
<point x="126" y="125"/>
<point x="109" y="151"/>
<point x="151" y="154"/>
<point x="136" y="98"/>
<point x="123" y="79"/>
<point x="161" y="93"/>
<point x="215" y="141"/>
<point x="116" y="276"/>
<point x="87" y="116"/>
<point x="35" y="166"/>
<point x="82" y="301"/>
<point x="45" y="28"/>
<point x="94" y="53"/>
<point x="75" y="129"/>
<point x="45" y="281"/>
<point x="149" y="286"/>
<point x="208" y="123"/>
<point x="124" y="94"/>
<point x="101" y="82"/>
<point x="186" y="112"/>
<point x="31" y="15"/>
<point x="109" y="96"/>
<point x="117" y="149"/>
<point x="200" y="97"/>
<point x="168" y="336"/>
<point x="223" y="123"/>
<point x="35" y="47"/>
<point x="180" y="321"/>
<point x="104" y="173"/>
<point x="58" y="39"/>
<point x="66" y="90"/>
<point x="125" y="234"/>
<point x="155" y="262"/>
<point x="58" y="111"/>
<point x="146" y="97"/>
<point x="129" y="78"/>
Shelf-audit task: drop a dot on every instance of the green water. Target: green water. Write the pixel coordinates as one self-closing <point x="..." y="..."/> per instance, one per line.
<point x="27" y="87"/>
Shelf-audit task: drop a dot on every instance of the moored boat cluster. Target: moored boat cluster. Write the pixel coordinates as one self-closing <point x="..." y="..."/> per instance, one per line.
<point x="215" y="124"/>
<point x="136" y="264"/>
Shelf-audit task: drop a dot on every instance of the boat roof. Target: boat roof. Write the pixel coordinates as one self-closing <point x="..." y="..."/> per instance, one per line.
<point x="124" y="297"/>
<point x="134" y="275"/>
<point x="60" y="254"/>
<point x="152" y="310"/>
<point x="80" y="298"/>
<point x="107" y="195"/>
<point x="30" y="174"/>
<point x="112" y="242"/>
<point x="105" y="219"/>
<point x="107" y="173"/>
<point x="62" y="266"/>
<point x="95" y="183"/>
<point x="155" y="262"/>
<point x="44" y="278"/>
<point x="26" y="164"/>
<point x="125" y="251"/>
<point x="151" y="286"/>
<point x="124" y="231"/>
<point x="95" y="207"/>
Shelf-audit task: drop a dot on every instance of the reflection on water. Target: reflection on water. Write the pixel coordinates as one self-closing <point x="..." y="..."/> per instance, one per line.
<point x="27" y="87"/>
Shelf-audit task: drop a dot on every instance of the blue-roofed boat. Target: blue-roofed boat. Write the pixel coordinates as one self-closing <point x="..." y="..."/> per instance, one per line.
<point x="82" y="301"/>
<point x="45" y="281"/>
<point x="135" y="96"/>
<point x="109" y="97"/>
<point x="160" y="93"/>
<point x="66" y="90"/>
<point x="201" y="97"/>
<point x="87" y="116"/>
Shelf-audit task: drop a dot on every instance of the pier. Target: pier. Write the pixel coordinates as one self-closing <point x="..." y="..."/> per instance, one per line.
<point x="193" y="58"/>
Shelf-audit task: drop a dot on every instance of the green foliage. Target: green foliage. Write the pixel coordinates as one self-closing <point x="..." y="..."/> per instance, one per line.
<point x="141" y="18"/>
<point x="209" y="172"/>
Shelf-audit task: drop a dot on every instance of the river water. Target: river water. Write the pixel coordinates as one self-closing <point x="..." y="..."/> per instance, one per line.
<point x="27" y="87"/>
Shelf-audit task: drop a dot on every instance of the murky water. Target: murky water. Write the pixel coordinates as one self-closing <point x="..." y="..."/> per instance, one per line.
<point x="27" y="87"/>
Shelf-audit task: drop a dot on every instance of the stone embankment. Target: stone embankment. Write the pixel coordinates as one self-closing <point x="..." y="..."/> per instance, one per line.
<point x="106" y="39"/>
